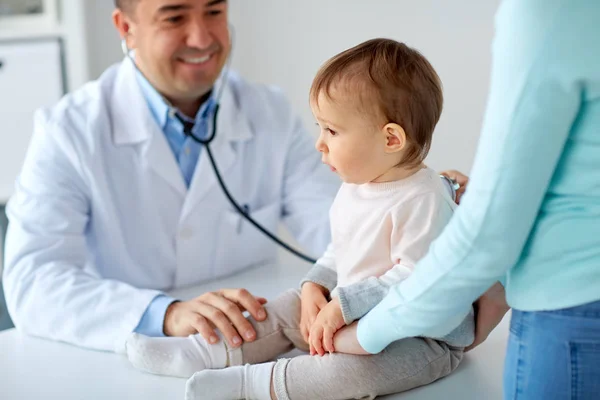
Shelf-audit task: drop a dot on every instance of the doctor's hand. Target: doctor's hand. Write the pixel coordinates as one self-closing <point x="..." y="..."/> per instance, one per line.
<point x="461" y="179"/>
<point x="222" y="310"/>
<point x="312" y="301"/>
<point x="328" y="322"/>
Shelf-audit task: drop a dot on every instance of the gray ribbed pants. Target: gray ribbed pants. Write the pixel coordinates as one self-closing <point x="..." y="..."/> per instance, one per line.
<point x="404" y="365"/>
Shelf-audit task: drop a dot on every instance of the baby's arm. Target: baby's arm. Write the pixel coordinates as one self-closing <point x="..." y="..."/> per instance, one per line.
<point x="315" y="290"/>
<point x="415" y="225"/>
<point x="346" y="341"/>
<point x="324" y="272"/>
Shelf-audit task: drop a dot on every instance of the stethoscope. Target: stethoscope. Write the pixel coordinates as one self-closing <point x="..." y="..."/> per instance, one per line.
<point x="188" y="128"/>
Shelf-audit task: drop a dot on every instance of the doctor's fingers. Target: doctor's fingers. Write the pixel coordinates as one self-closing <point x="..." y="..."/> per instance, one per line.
<point x="205" y="328"/>
<point x="248" y="302"/>
<point x="223" y="311"/>
<point x="206" y="318"/>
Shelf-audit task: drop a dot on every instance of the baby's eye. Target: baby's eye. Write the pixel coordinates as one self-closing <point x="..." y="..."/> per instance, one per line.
<point x="331" y="132"/>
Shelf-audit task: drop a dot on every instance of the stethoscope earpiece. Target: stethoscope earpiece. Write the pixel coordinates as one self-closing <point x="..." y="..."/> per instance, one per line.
<point x="124" y="47"/>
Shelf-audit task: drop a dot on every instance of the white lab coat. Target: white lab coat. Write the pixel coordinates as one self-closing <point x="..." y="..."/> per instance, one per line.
<point x="101" y="220"/>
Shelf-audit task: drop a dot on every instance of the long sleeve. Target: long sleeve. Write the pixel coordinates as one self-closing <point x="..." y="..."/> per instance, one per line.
<point x="534" y="99"/>
<point x="51" y="289"/>
<point x="324" y="271"/>
<point x="416" y="224"/>
<point x="153" y="319"/>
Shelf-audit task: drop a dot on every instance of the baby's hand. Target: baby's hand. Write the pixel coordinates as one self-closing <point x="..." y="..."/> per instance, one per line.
<point x="328" y="322"/>
<point x="312" y="301"/>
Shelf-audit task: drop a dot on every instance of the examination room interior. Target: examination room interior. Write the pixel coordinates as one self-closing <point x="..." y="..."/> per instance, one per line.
<point x="51" y="47"/>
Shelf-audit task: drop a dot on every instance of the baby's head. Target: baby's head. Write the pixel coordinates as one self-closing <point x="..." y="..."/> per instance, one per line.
<point x="377" y="105"/>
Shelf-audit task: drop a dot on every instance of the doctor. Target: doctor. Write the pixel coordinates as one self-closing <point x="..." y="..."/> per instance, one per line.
<point x="114" y="205"/>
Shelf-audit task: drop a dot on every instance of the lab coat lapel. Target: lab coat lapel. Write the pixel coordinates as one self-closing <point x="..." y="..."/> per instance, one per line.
<point x="232" y="127"/>
<point x="160" y="159"/>
<point x="133" y="123"/>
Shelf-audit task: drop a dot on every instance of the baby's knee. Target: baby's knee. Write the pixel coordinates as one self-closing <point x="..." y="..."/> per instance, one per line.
<point x="289" y="298"/>
<point x="286" y="305"/>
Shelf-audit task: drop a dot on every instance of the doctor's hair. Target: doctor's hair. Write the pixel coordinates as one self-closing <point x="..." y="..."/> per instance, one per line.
<point x="391" y="81"/>
<point x="125" y="5"/>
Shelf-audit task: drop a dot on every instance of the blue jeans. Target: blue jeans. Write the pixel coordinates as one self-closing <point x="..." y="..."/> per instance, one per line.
<point x="554" y="355"/>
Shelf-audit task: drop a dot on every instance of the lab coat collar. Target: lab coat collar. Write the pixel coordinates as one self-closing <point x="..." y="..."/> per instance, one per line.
<point x="133" y="123"/>
<point x="157" y="104"/>
<point x="131" y="116"/>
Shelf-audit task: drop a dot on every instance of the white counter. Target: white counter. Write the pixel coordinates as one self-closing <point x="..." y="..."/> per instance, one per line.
<point x="33" y="368"/>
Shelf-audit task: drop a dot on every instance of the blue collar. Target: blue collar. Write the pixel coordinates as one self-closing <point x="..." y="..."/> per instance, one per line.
<point x="159" y="106"/>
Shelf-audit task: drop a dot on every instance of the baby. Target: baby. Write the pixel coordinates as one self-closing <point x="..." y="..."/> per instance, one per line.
<point x="376" y="105"/>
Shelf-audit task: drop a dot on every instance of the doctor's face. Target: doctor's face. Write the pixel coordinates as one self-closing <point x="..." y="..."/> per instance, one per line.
<point x="181" y="46"/>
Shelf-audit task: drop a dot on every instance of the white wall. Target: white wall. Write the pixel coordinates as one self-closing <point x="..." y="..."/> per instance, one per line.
<point x="104" y="47"/>
<point x="75" y="33"/>
<point x="285" y="42"/>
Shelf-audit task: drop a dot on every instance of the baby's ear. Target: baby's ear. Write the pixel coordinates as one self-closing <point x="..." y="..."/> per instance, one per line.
<point x="395" y="137"/>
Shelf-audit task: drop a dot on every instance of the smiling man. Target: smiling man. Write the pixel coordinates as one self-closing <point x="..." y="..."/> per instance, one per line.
<point x="181" y="47"/>
<point x="116" y="205"/>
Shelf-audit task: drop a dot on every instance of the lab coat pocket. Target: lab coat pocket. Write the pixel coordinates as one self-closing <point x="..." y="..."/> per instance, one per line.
<point x="241" y="244"/>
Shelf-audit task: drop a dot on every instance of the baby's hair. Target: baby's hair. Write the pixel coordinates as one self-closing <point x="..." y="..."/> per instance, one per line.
<point x="392" y="81"/>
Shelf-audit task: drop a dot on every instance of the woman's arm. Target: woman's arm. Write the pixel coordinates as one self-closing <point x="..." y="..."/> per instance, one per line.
<point x="534" y="99"/>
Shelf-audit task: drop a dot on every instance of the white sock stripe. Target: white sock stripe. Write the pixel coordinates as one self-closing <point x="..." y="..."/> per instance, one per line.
<point x="279" y="379"/>
<point x="236" y="356"/>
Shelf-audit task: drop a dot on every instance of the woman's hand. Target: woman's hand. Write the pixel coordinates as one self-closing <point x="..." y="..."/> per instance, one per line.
<point x="490" y="308"/>
<point x="461" y="179"/>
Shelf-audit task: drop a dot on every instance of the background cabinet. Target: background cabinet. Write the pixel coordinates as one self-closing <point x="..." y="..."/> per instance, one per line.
<point x="31" y="76"/>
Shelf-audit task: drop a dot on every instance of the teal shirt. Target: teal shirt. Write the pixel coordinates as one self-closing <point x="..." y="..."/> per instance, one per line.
<point x="531" y="215"/>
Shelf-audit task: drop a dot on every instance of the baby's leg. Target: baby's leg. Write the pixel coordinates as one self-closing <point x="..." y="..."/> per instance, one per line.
<point x="182" y="356"/>
<point x="402" y="366"/>
<point x="277" y="335"/>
